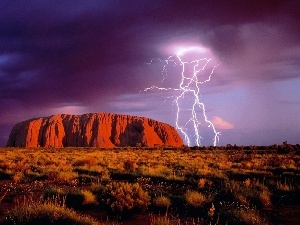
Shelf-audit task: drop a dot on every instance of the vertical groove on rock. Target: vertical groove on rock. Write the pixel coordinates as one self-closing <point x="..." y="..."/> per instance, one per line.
<point x="113" y="129"/>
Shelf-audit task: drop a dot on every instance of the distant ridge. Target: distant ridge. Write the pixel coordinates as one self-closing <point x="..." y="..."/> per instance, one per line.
<point x="93" y="130"/>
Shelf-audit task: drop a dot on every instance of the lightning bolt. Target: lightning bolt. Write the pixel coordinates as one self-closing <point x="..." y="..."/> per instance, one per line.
<point x="189" y="85"/>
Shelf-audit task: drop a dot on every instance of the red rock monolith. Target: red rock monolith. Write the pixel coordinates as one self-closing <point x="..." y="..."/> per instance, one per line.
<point x="93" y="130"/>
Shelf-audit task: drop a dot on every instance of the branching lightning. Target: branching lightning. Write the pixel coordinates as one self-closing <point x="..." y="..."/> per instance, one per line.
<point x="189" y="87"/>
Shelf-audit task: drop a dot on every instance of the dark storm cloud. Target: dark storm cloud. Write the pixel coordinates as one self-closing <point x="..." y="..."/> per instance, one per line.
<point x="59" y="52"/>
<point x="257" y="46"/>
<point x="62" y="42"/>
<point x="66" y="46"/>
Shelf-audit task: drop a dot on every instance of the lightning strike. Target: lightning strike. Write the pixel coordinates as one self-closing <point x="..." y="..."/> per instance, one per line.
<point x="189" y="87"/>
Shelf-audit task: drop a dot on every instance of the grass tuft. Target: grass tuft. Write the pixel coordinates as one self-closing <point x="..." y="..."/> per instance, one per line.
<point x="46" y="213"/>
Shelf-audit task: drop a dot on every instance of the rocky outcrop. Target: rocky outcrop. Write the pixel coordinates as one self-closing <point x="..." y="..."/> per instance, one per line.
<point x="92" y="130"/>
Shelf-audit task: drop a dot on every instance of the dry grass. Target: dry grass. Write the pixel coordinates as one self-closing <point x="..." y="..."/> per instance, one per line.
<point x="194" y="198"/>
<point x="201" y="178"/>
<point x="49" y="212"/>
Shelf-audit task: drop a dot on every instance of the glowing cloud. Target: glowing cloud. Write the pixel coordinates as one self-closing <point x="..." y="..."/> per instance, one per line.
<point x="69" y="109"/>
<point x="195" y="49"/>
<point x="221" y="123"/>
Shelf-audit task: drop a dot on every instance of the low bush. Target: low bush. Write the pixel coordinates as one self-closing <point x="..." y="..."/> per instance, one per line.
<point x="125" y="198"/>
<point x="242" y="216"/>
<point x="162" y="201"/>
<point x="74" y="199"/>
<point x="56" y="195"/>
<point x="46" y="213"/>
<point x="161" y="204"/>
<point x="194" y="198"/>
<point x="89" y="198"/>
<point x="81" y="199"/>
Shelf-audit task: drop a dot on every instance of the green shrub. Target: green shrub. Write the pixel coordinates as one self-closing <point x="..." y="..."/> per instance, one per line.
<point x="94" y="172"/>
<point x="194" y="198"/>
<point x="99" y="191"/>
<point x="125" y="197"/>
<point x="88" y="198"/>
<point x="162" y="202"/>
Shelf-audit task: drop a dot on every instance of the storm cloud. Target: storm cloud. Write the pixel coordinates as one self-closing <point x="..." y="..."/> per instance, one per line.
<point x="76" y="57"/>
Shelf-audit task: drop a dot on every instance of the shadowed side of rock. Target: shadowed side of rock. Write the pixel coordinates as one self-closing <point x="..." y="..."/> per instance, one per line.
<point x="92" y="130"/>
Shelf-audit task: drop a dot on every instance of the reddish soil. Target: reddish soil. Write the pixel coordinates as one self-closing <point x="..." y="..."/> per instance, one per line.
<point x="288" y="215"/>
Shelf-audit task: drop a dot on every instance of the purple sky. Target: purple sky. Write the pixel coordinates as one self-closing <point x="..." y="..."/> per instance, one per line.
<point x="91" y="56"/>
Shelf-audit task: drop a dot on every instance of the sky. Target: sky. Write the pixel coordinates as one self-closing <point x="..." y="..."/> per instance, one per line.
<point x="78" y="57"/>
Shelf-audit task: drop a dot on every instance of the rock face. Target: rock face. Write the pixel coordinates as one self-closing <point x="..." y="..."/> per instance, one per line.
<point x="92" y="130"/>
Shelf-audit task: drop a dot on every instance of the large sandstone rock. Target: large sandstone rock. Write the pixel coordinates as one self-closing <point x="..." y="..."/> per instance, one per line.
<point x="92" y="130"/>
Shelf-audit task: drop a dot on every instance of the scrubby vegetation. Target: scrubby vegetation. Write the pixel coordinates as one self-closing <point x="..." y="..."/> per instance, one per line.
<point x="48" y="212"/>
<point x="230" y="184"/>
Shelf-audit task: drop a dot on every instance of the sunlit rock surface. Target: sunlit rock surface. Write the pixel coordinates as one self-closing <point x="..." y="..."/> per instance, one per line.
<point x="93" y="130"/>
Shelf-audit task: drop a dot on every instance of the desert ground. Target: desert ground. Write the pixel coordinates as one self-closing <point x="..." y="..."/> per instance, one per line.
<point x="156" y="186"/>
